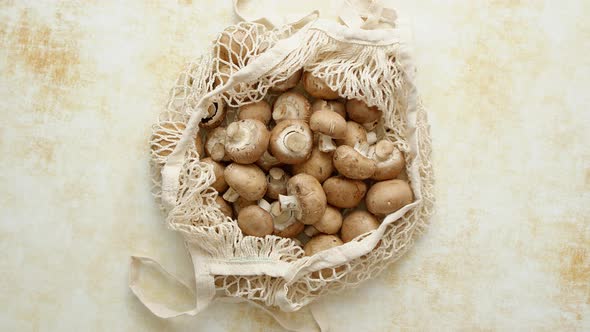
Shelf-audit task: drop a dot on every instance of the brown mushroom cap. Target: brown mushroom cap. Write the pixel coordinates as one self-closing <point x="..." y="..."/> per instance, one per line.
<point x="359" y="112"/>
<point x="291" y="105"/>
<point x="319" y="165"/>
<point x="255" y="221"/>
<point x="291" y="141"/>
<point x="344" y="193"/>
<point x="220" y="185"/>
<point x="389" y="161"/>
<point x="355" y="134"/>
<point x="241" y="203"/>
<point x="328" y="123"/>
<point x="288" y="83"/>
<point x="350" y="163"/>
<point x="317" y="87"/>
<point x="331" y="221"/>
<point x="320" y="243"/>
<point x="215" y="144"/>
<point x="309" y="197"/>
<point x="199" y="145"/>
<point x="258" y="111"/>
<point x="215" y="115"/>
<point x="329" y="105"/>
<point x="246" y="140"/>
<point x="224" y="207"/>
<point x="277" y="183"/>
<point x="291" y="231"/>
<point x="234" y="43"/>
<point x="389" y="196"/>
<point x="247" y="180"/>
<point x="357" y="223"/>
<point x="164" y="140"/>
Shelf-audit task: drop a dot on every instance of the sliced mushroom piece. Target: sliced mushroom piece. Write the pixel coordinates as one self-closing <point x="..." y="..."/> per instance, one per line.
<point x="290" y="82"/>
<point x="215" y="115"/>
<point x="257" y="111"/>
<point x="388" y="196"/>
<point x="215" y="144"/>
<point x="355" y="134"/>
<point x="277" y="183"/>
<point x="331" y="221"/>
<point x="284" y="221"/>
<point x="352" y="163"/>
<point x="246" y="181"/>
<point x="328" y="125"/>
<point x="246" y="141"/>
<point x="357" y="223"/>
<point x="344" y="193"/>
<point x="291" y="141"/>
<point x="267" y="161"/>
<point x="224" y="207"/>
<point x="291" y="105"/>
<point x="220" y="185"/>
<point x="317" y="87"/>
<point x="306" y="198"/>
<point x="360" y="112"/>
<point x="389" y="161"/>
<point x="320" y="243"/>
<point x="255" y="221"/>
<point x="329" y="105"/>
<point x="319" y="165"/>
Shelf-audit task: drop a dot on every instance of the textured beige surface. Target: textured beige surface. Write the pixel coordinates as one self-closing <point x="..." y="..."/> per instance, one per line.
<point x="506" y="83"/>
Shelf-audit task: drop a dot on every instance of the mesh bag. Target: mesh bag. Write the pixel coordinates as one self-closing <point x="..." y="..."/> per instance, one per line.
<point x="272" y="272"/>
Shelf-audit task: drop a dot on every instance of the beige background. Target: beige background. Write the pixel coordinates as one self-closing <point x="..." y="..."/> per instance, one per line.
<point x="506" y="83"/>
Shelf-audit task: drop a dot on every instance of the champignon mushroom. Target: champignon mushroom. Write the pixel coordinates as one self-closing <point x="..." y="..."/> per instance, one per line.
<point x="317" y="87"/>
<point x="215" y="144"/>
<point x="306" y="198"/>
<point x="246" y="140"/>
<point x="246" y="181"/>
<point x="328" y="125"/>
<point x="199" y="145"/>
<point x="258" y="111"/>
<point x="329" y="224"/>
<point x="234" y="43"/>
<point x="344" y="193"/>
<point x="319" y="165"/>
<point x="215" y="115"/>
<point x="267" y="161"/>
<point x="220" y="185"/>
<point x="360" y="112"/>
<point x="355" y="134"/>
<point x="291" y="105"/>
<point x="329" y="105"/>
<point x="352" y="162"/>
<point x="241" y="203"/>
<point x="291" y="141"/>
<point x="320" y="243"/>
<point x="388" y="196"/>
<point x="290" y="82"/>
<point x="357" y="223"/>
<point x="255" y="221"/>
<point x="277" y="183"/>
<point x="284" y="221"/>
<point x="165" y="139"/>
<point x="389" y="161"/>
<point x="224" y="207"/>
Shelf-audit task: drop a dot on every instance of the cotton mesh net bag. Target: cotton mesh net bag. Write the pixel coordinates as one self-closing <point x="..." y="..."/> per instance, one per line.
<point x="365" y="59"/>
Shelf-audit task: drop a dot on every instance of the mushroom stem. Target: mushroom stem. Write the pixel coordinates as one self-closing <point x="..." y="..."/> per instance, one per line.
<point x="282" y="218"/>
<point x="276" y="173"/>
<point x="295" y="141"/>
<point x="290" y="203"/>
<point x="310" y="231"/>
<point x="363" y="148"/>
<point x="371" y="137"/>
<point x="326" y="143"/>
<point x="263" y="204"/>
<point x="231" y="195"/>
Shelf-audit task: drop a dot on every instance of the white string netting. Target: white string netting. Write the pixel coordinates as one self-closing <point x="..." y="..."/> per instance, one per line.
<point x="370" y="73"/>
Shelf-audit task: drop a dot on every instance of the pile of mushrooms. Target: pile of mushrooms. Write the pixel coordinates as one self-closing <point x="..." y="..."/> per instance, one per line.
<point x="303" y="164"/>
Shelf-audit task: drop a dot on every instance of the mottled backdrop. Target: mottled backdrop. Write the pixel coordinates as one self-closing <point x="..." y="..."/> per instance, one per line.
<point x="506" y="83"/>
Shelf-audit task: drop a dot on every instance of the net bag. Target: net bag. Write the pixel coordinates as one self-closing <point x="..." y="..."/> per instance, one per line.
<point x="241" y="67"/>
